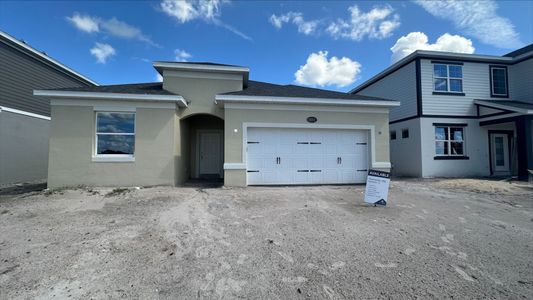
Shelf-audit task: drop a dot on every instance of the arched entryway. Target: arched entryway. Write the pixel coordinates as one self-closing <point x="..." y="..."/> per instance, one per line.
<point x="203" y="143"/>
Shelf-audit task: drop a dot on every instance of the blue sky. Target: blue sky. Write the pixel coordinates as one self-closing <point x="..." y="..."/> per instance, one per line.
<point x="327" y="44"/>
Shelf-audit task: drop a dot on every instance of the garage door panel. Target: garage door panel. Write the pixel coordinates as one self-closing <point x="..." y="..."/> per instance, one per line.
<point x="306" y="156"/>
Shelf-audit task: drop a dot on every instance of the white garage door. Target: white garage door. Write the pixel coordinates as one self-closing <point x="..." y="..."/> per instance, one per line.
<point x="306" y="156"/>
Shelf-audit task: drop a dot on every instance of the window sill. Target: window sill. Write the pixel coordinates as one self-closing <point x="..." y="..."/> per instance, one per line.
<point x="499" y="96"/>
<point x="113" y="158"/>
<point x="449" y="93"/>
<point x="451" y="157"/>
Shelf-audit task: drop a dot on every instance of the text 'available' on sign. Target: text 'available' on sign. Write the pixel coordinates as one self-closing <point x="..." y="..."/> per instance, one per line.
<point x="377" y="187"/>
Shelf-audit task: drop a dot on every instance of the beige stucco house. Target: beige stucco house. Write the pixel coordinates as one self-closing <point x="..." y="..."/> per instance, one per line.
<point x="209" y="120"/>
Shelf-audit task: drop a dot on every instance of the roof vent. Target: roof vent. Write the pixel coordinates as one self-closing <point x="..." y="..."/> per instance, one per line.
<point x="23" y="41"/>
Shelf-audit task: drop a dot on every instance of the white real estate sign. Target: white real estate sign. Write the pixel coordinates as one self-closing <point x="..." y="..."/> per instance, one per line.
<point x="377" y="187"/>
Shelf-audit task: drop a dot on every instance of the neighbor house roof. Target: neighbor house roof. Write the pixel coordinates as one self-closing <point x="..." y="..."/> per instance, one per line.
<point x="43" y="57"/>
<point x="258" y="88"/>
<point x="517" y="57"/>
<point x="518" y="52"/>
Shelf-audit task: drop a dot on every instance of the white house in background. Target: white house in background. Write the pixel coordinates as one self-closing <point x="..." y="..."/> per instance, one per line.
<point x="24" y="118"/>
<point x="460" y="115"/>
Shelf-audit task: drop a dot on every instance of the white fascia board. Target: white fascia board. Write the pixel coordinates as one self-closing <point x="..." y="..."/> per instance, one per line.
<point x="24" y="113"/>
<point x="459" y="56"/>
<point x="44" y="57"/>
<point x="179" y="100"/>
<point x="298" y="100"/>
<point x="504" y="107"/>
<point x="200" y="67"/>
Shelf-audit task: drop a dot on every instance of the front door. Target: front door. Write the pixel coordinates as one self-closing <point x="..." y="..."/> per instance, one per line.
<point x="499" y="147"/>
<point x="210" y="154"/>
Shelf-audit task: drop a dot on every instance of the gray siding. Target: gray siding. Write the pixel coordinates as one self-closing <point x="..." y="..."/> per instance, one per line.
<point x="476" y="85"/>
<point x="401" y="86"/>
<point x="23" y="148"/>
<point x="20" y="74"/>
<point x="521" y="81"/>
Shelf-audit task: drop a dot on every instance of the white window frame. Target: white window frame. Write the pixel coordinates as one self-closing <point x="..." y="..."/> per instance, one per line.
<point x="450" y="141"/>
<point x="492" y="68"/>
<point x="448" y="78"/>
<point x="113" y="157"/>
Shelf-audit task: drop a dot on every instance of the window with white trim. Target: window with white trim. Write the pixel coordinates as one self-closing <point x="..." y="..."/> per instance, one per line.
<point x="447" y="78"/>
<point x="449" y="141"/>
<point x="498" y="83"/>
<point x="115" y="134"/>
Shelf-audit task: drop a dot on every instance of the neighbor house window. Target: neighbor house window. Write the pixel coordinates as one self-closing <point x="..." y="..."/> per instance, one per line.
<point x="498" y="83"/>
<point x="115" y="134"/>
<point x="405" y="133"/>
<point x="393" y="135"/>
<point x="448" y="78"/>
<point x="449" y="141"/>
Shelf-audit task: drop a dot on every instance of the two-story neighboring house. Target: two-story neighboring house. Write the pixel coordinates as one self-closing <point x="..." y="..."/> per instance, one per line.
<point x="460" y="115"/>
<point x="24" y="118"/>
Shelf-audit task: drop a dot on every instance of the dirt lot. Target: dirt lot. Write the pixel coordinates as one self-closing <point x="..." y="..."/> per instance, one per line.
<point x="435" y="239"/>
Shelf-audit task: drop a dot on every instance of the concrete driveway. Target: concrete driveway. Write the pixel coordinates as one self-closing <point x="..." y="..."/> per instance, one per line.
<point x="435" y="239"/>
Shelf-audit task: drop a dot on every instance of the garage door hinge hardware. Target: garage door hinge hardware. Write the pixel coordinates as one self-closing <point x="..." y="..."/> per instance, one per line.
<point x="339" y="160"/>
<point x="302" y="143"/>
<point x="278" y="160"/>
<point x="253" y="142"/>
<point x="253" y="171"/>
<point x="315" y="143"/>
<point x="362" y="170"/>
<point x="316" y="170"/>
<point x="361" y="143"/>
<point x="303" y="170"/>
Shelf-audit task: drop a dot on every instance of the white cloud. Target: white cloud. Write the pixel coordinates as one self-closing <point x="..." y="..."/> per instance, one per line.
<point x="158" y="77"/>
<point x="112" y="27"/>
<point x="121" y="29"/>
<point x="378" y="23"/>
<point x="319" y="71"/>
<point x="207" y="10"/>
<point x="84" y="23"/>
<point x="419" y="41"/>
<point x="102" y="52"/>
<point x="478" y="19"/>
<point x="182" y="55"/>
<point x="183" y="11"/>
<point x="305" y="27"/>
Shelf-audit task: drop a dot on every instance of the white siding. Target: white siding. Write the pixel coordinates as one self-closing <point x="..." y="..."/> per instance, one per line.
<point x="405" y="153"/>
<point x="521" y="81"/>
<point x="476" y="85"/>
<point x="401" y="86"/>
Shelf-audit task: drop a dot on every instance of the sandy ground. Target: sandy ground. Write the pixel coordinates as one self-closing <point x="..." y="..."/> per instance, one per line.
<point x="435" y="239"/>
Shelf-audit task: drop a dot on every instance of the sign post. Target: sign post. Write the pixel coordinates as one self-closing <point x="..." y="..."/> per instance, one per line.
<point x="377" y="187"/>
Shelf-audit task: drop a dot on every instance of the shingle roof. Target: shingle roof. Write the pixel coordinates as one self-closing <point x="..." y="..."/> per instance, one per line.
<point x="150" y="88"/>
<point x="198" y="63"/>
<point x="520" y="51"/>
<point x="258" y="88"/>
